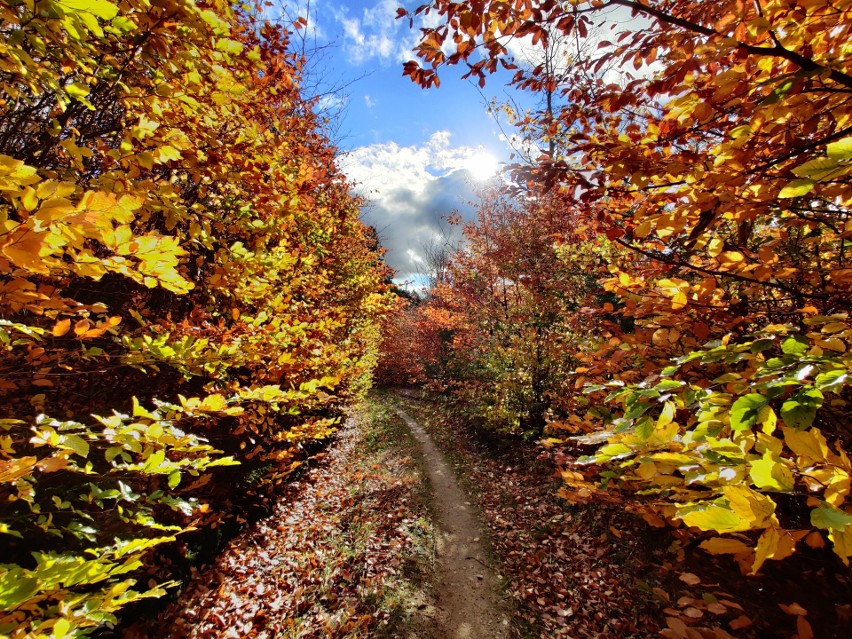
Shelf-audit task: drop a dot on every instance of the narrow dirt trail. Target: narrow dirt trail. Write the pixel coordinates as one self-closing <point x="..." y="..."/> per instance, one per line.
<point x="466" y="588"/>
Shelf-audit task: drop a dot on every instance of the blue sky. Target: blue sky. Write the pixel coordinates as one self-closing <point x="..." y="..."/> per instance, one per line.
<point x="416" y="155"/>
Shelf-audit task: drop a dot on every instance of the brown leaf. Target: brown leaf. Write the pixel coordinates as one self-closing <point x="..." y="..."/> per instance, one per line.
<point x="741" y="622"/>
<point x="689" y="578"/>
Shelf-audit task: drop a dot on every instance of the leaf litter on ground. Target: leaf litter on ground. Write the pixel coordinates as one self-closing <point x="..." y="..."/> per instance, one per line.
<point x="346" y="553"/>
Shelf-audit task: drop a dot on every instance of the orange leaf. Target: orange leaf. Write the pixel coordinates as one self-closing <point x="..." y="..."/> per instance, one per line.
<point x="61" y="328"/>
<point x="82" y="327"/>
<point x="690" y="578"/>
<point x="740" y="622"/>
<point x="793" y="609"/>
<point x="815" y="540"/>
<point x="804" y="628"/>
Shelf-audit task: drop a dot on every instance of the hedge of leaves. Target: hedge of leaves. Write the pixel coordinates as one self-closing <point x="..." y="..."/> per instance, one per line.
<point x="184" y="287"/>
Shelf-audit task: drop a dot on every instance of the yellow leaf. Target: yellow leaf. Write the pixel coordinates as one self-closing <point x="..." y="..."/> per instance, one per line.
<point x="810" y="444"/>
<point x="842" y="542"/>
<point x="715" y="515"/>
<point x="715" y="246"/>
<point x="750" y="505"/>
<point x="54" y="208"/>
<point x="101" y="8"/>
<point x="666" y="415"/>
<point x="837" y="491"/>
<point x="15" y="468"/>
<point x="24" y="250"/>
<point x="730" y="258"/>
<point x="167" y="153"/>
<point x="725" y="546"/>
<point x="29" y="199"/>
<point x="767" y="419"/>
<point x="61" y="628"/>
<point x="213" y="403"/>
<point x="766" y="548"/>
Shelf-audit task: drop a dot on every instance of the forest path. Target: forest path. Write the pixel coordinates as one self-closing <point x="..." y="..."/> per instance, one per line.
<point x="465" y="586"/>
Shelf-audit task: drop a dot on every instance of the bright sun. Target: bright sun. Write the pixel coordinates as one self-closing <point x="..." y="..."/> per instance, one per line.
<point x="482" y="166"/>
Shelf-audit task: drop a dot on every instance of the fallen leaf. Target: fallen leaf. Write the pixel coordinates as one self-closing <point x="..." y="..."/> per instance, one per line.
<point x="690" y="578"/>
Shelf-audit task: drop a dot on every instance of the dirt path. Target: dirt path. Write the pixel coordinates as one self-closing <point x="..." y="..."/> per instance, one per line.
<point x="466" y="588"/>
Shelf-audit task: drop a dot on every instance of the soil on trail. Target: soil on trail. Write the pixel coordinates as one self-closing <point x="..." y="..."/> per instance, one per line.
<point x="466" y="587"/>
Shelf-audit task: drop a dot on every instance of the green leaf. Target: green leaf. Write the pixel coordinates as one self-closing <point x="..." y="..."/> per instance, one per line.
<point x="817" y="169"/>
<point x="800" y="410"/>
<point x="760" y="345"/>
<point x="770" y="473"/>
<point x="154" y="461"/>
<point x="830" y="379"/>
<point x="101" y="8"/>
<point x="840" y="150"/>
<point x="174" y="479"/>
<point x="16" y="587"/>
<point x="644" y="428"/>
<point x="667" y="385"/>
<point x="77" y="444"/>
<point x="91" y="23"/>
<point x="797" y="188"/>
<point x="828" y="517"/>
<point x="637" y="410"/>
<point x="614" y="450"/>
<point x="745" y="411"/>
<point x="795" y="345"/>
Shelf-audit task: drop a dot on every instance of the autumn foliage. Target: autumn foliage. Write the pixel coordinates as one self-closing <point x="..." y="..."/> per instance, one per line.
<point x="671" y="277"/>
<point x="184" y="286"/>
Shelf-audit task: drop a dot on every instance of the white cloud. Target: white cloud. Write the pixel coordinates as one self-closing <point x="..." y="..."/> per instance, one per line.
<point x="410" y="190"/>
<point x="606" y="24"/>
<point x="375" y="33"/>
<point x="331" y="103"/>
<point x="289" y="10"/>
<point x="369" y="101"/>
